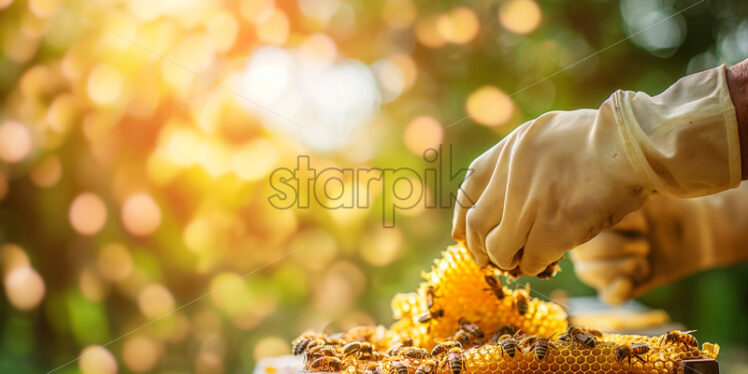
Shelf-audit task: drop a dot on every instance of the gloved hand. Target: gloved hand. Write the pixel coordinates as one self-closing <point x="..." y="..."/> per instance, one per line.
<point x="557" y="181"/>
<point x="666" y="240"/>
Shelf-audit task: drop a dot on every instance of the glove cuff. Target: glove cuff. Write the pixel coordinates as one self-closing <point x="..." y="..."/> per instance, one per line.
<point x="684" y="141"/>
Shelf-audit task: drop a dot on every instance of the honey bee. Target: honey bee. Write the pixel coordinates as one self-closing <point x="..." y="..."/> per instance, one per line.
<point x="427" y="367"/>
<point x="431" y="314"/>
<point x="549" y="271"/>
<point x="426" y="317"/>
<point x="494" y="285"/>
<point x="400" y="367"/>
<point x="680" y="337"/>
<point x="444" y="347"/>
<point x="362" y="350"/>
<point x="392" y="351"/>
<point x="578" y="336"/>
<point x="407" y="342"/>
<point x="300" y="344"/>
<point x="593" y="332"/>
<point x="455" y="360"/>
<point x="470" y="328"/>
<point x="414" y="353"/>
<point x="567" y="335"/>
<point x="463" y="338"/>
<point x="327" y="363"/>
<point x="624" y="351"/>
<point x="508" y="345"/>
<point x="430" y="296"/>
<point x="541" y="347"/>
<point x="373" y="368"/>
<point x="521" y="299"/>
<point x="318" y="351"/>
<point x="501" y="331"/>
<point x="319" y="342"/>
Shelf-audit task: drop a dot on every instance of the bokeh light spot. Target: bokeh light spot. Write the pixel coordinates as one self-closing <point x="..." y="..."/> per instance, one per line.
<point x="272" y="27"/>
<point x="398" y="14"/>
<point x="459" y="25"/>
<point x="520" y="16"/>
<point x="180" y="147"/>
<point x="269" y="72"/>
<point x="41" y="8"/>
<point x="390" y="77"/>
<point x="15" y="142"/>
<point x="104" y="84"/>
<point x="320" y="49"/>
<point x="422" y="132"/>
<point x="47" y="172"/>
<point x="199" y="235"/>
<point x="215" y="158"/>
<point x="87" y="213"/>
<point x="427" y="33"/>
<point x="229" y="292"/>
<point x="321" y="11"/>
<point x="155" y="300"/>
<point x="17" y="46"/>
<point x="24" y="287"/>
<point x="489" y="106"/>
<point x="140" y="353"/>
<point x="141" y="215"/>
<point x="222" y="29"/>
<point x="95" y="359"/>
<point x="251" y="9"/>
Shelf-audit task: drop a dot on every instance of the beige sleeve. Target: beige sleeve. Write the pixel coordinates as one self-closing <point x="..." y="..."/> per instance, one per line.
<point x="685" y="140"/>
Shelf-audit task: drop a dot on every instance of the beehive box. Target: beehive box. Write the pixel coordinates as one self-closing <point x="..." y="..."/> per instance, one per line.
<point x="458" y="302"/>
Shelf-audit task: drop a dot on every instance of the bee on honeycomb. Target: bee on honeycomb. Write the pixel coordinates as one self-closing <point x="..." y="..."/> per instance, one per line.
<point x="472" y="334"/>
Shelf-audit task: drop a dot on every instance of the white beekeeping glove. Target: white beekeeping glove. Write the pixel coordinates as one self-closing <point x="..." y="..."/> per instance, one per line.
<point x="557" y="181"/>
<point x="666" y="240"/>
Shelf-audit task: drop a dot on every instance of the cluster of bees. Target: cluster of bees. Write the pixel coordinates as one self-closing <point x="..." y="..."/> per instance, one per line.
<point x="464" y="320"/>
<point x="324" y="353"/>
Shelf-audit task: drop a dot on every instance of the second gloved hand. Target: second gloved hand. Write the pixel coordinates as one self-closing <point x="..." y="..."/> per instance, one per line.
<point x="666" y="240"/>
<point x="557" y="181"/>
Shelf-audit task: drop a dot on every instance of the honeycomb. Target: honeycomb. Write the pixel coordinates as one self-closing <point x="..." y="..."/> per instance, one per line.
<point x="461" y="290"/>
<point x="457" y="303"/>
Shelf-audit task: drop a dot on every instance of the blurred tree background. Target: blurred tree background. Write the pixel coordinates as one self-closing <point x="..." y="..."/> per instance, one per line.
<point x="137" y="138"/>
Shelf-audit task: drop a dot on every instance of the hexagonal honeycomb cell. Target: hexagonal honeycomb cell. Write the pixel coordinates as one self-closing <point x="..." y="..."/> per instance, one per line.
<point x="456" y="302"/>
